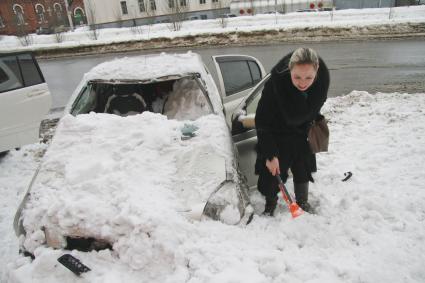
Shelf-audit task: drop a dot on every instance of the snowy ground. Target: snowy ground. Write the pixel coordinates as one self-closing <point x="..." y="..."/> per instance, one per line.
<point x="388" y="19"/>
<point x="368" y="229"/>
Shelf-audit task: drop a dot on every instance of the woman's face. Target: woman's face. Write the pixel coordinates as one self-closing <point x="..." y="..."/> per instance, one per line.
<point x="303" y="75"/>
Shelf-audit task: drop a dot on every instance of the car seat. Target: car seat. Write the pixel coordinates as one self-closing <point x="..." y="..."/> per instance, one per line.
<point x="124" y="103"/>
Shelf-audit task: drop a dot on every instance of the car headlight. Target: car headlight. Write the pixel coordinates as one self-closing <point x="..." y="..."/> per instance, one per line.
<point x="225" y="204"/>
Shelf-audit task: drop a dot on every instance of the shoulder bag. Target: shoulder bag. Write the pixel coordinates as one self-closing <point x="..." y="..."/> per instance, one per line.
<point x="318" y="136"/>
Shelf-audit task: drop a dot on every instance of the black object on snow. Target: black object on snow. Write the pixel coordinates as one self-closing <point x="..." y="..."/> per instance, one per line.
<point x="347" y="176"/>
<point x="73" y="264"/>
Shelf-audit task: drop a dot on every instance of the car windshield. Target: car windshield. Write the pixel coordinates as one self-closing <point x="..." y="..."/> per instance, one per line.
<point x="180" y="99"/>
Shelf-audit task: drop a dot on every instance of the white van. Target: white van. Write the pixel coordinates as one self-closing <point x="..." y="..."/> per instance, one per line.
<point x="24" y="100"/>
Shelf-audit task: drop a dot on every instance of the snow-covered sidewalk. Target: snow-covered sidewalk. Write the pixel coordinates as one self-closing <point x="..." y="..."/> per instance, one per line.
<point x="368" y="229"/>
<point x="389" y="20"/>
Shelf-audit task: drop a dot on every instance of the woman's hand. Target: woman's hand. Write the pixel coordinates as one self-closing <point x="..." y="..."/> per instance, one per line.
<point x="273" y="166"/>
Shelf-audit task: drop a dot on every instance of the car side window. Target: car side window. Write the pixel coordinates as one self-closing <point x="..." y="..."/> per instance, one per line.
<point x="30" y="71"/>
<point x="10" y="76"/>
<point x="251" y="107"/>
<point x="252" y="101"/>
<point x="255" y="71"/>
<point x="248" y="112"/>
<point x="239" y="75"/>
<point x="86" y="101"/>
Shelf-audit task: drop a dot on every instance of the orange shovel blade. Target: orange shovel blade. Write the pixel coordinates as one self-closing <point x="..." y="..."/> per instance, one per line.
<point x="295" y="210"/>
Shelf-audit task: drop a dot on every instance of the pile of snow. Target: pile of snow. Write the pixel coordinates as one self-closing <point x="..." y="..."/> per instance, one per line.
<point x="16" y="171"/>
<point x="147" y="67"/>
<point x="186" y="101"/>
<point x="262" y="22"/>
<point x="137" y="171"/>
<point x="368" y="229"/>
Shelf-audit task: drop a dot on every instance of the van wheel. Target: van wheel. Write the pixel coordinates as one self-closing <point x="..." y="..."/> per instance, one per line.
<point x="2" y="154"/>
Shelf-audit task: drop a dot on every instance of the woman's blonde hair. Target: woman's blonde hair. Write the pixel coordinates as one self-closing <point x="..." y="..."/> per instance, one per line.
<point x="304" y="55"/>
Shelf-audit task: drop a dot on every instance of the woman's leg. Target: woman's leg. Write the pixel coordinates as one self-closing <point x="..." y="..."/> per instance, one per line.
<point x="301" y="171"/>
<point x="268" y="187"/>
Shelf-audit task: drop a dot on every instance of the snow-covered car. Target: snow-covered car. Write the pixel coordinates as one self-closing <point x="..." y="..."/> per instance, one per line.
<point x="24" y="100"/>
<point x="165" y="158"/>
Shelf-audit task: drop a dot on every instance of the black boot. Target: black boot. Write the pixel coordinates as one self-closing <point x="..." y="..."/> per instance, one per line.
<point x="301" y="196"/>
<point x="271" y="203"/>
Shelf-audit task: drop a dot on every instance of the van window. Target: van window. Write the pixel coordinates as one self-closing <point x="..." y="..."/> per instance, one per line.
<point x="3" y="76"/>
<point x="10" y="74"/>
<point x="29" y="70"/>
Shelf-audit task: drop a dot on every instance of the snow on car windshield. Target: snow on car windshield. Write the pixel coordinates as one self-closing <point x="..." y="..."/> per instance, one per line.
<point x="180" y="99"/>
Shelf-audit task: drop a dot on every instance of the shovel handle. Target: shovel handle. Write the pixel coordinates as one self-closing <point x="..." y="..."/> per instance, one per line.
<point x="285" y="193"/>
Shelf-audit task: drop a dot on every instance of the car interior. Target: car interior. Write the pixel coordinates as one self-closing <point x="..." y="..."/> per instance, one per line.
<point x="172" y="98"/>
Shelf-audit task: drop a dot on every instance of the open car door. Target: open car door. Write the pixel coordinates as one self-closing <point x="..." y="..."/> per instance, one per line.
<point x="244" y="134"/>
<point x="237" y="75"/>
<point x="24" y="100"/>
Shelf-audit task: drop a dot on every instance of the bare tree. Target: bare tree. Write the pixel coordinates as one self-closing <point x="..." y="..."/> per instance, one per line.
<point x="118" y="16"/>
<point x="178" y="10"/>
<point x="223" y="20"/>
<point x="135" y="28"/>
<point x="59" y="35"/>
<point x="252" y="8"/>
<point x="22" y="31"/>
<point x="23" y="34"/>
<point x="333" y="9"/>
<point x="149" y="9"/>
<point x="91" y="17"/>
<point x="283" y="7"/>
<point x="56" y="24"/>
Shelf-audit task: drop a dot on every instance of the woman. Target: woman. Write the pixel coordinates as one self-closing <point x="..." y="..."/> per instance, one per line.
<point x="291" y="100"/>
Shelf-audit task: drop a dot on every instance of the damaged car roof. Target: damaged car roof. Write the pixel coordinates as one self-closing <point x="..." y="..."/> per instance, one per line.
<point x="147" y="67"/>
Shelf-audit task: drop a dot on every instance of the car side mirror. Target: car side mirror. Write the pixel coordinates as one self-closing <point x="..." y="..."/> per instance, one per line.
<point x="248" y="121"/>
<point x="242" y="123"/>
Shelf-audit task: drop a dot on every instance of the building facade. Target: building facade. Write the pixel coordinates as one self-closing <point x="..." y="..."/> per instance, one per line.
<point x="361" y="4"/>
<point x="252" y="7"/>
<point x="113" y="13"/>
<point x="43" y="16"/>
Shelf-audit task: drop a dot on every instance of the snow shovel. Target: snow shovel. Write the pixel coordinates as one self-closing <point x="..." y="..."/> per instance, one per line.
<point x="292" y="205"/>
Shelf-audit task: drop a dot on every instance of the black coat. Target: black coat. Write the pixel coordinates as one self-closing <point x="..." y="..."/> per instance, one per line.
<point x="284" y="116"/>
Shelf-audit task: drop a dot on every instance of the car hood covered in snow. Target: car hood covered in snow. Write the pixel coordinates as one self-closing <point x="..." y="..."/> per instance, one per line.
<point x="116" y="178"/>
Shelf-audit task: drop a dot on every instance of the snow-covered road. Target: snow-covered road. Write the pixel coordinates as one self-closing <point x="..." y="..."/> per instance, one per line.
<point x="340" y="24"/>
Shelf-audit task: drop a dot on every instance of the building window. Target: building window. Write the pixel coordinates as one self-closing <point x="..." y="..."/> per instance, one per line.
<point x="171" y="4"/>
<point x="58" y="11"/>
<point x="39" y="10"/>
<point x="19" y="14"/>
<point x="1" y="22"/>
<point x="215" y="1"/>
<point x="182" y="3"/>
<point x="142" y="7"/>
<point x="79" y="16"/>
<point x="124" y="7"/>
<point x="201" y="1"/>
<point x="204" y="17"/>
<point x="153" y="5"/>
